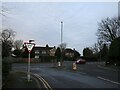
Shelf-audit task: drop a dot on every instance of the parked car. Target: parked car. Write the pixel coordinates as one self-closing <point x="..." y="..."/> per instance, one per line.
<point x="80" y="61"/>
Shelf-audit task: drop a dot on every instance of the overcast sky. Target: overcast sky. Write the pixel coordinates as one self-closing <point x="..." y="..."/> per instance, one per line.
<point x="41" y="21"/>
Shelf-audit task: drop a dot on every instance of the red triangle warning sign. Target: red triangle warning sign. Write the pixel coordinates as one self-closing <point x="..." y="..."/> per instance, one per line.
<point x="29" y="46"/>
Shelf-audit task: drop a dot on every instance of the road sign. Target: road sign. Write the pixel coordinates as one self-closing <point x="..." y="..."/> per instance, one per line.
<point x="29" y="46"/>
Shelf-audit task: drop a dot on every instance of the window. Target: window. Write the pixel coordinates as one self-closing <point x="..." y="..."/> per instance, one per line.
<point x="37" y="52"/>
<point x="43" y="52"/>
<point x="36" y="56"/>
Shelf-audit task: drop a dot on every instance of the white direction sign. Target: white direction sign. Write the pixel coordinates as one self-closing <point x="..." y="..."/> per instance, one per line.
<point x="29" y="46"/>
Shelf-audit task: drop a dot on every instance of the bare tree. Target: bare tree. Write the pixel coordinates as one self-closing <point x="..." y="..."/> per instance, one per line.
<point x="7" y="38"/>
<point x="63" y="45"/>
<point x="95" y="48"/>
<point x="3" y="10"/>
<point x="18" y="44"/>
<point x="108" y="30"/>
<point x="7" y="34"/>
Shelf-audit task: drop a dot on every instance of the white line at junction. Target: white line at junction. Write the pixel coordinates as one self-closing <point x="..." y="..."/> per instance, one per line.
<point x="108" y="80"/>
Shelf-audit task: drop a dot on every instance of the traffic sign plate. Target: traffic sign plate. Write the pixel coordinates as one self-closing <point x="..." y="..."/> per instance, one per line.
<point x="29" y="46"/>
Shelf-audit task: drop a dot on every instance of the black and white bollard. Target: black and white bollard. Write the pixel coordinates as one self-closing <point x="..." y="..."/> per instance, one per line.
<point x="59" y="64"/>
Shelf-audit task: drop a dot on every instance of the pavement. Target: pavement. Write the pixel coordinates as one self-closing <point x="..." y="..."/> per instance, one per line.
<point x="19" y="80"/>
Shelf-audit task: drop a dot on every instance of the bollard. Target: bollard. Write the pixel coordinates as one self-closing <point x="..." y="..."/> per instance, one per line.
<point x="74" y="66"/>
<point x="28" y="76"/>
<point x="59" y="64"/>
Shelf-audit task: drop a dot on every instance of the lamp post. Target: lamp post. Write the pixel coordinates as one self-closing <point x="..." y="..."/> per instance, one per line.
<point x="61" y="40"/>
<point x="61" y="31"/>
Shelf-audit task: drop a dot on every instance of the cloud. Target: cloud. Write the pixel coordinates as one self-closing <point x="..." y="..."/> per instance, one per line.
<point x="41" y="21"/>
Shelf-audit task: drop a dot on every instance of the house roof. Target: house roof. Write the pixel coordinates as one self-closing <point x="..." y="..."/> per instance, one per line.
<point x="53" y="49"/>
<point x="43" y="48"/>
<point x="69" y="50"/>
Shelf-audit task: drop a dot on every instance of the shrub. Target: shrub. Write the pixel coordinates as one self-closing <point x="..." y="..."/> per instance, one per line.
<point x="6" y="67"/>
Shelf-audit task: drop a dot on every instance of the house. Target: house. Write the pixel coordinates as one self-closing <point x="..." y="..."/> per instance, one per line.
<point x="52" y="51"/>
<point x="41" y="52"/>
<point x="69" y="53"/>
<point x="47" y="54"/>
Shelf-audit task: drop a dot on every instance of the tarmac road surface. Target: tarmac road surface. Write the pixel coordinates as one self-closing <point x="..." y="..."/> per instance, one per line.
<point x="87" y="76"/>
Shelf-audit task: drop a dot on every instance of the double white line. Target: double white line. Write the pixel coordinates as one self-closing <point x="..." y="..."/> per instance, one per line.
<point x="46" y="85"/>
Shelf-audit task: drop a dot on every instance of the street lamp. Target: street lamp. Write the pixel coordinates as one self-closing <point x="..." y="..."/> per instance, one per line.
<point x="61" y="39"/>
<point x="61" y="31"/>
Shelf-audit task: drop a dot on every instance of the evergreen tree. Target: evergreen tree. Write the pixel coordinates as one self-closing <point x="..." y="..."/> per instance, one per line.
<point x="58" y="54"/>
<point x="114" y="51"/>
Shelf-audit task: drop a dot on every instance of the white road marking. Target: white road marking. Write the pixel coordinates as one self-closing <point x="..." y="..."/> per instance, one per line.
<point x="108" y="80"/>
<point x="44" y="82"/>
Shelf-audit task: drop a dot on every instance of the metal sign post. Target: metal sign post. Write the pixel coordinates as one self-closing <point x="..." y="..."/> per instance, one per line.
<point x="29" y="47"/>
<point x="28" y="75"/>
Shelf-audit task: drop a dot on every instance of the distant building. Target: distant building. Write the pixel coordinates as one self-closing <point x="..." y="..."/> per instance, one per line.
<point x="47" y="54"/>
<point x="42" y="51"/>
<point x="52" y="51"/>
<point x="69" y="53"/>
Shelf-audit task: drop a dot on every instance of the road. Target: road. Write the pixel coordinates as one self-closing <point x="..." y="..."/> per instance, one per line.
<point x="86" y="76"/>
<point x="95" y="69"/>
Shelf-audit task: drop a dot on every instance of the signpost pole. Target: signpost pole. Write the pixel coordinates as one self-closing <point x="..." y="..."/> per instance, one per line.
<point x="29" y="47"/>
<point x="28" y="67"/>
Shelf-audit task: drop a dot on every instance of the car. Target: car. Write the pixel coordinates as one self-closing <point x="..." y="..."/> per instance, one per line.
<point x="80" y="61"/>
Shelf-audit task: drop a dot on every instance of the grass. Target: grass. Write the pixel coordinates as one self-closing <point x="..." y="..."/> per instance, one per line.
<point x="19" y="80"/>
